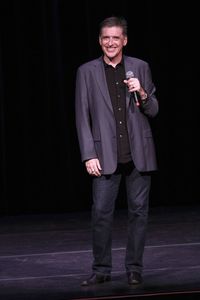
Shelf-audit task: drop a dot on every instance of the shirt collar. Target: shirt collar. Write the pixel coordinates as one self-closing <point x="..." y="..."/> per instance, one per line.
<point x="121" y="63"/>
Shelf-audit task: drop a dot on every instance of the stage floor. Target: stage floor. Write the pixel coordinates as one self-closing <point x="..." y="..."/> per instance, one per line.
<point x="47" y="256"/>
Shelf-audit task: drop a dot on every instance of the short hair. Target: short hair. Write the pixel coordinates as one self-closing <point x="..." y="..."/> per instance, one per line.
<point x="114" y="21"/>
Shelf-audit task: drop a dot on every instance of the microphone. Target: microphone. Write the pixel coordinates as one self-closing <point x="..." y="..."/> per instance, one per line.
<point x="129" y="74"/>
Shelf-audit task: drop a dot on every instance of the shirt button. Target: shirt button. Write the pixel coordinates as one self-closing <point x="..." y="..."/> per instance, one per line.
<point x="120" y="135"/>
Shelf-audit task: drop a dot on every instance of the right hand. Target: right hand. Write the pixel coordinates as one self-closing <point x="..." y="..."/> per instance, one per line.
<point x="93" y="167"/>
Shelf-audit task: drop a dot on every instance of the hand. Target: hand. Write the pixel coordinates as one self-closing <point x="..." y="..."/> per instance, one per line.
<point x="133" y="84"/>
<point x="93" y="167"/>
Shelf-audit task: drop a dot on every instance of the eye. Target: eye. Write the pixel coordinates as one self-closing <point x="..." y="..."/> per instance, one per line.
<point x="107" y="39"/>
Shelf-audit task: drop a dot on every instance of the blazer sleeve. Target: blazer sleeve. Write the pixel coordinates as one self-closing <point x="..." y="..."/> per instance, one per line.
<point x="82" y="113"/>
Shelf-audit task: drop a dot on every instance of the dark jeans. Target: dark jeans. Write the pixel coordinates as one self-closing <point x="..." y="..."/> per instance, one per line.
<point x="105" y="191"/>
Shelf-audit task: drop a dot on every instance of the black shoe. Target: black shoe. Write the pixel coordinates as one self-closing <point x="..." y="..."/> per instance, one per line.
<point x="134" y="278"/>
<point x="96" y="279"/>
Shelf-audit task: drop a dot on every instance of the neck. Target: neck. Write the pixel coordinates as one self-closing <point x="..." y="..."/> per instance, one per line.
<point x="113" y="61"/>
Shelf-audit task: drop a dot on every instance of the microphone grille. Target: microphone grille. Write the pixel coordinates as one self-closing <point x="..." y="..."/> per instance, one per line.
<point x="129" y="74"/>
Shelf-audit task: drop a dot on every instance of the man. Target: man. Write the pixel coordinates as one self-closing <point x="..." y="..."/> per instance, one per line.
<point x="115" y="96"/>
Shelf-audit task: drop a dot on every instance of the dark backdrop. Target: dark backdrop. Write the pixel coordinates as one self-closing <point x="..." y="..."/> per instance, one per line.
<point x="42" y="44"/>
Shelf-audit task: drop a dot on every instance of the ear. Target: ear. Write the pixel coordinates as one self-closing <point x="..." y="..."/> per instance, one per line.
<point x="125" y="41"/>
<point x="100" y="40"/>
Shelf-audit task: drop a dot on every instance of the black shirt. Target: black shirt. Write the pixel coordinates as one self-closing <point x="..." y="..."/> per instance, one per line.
<point x="117" y="90"/>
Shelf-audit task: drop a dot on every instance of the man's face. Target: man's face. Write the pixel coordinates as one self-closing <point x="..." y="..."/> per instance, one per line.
<point x="112" y="41"/>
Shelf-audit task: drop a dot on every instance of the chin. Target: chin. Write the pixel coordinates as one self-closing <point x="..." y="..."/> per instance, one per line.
<point x="111" y="56"/>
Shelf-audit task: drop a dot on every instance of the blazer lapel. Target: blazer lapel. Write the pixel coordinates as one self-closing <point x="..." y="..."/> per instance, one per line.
<point x="101" y="81"/>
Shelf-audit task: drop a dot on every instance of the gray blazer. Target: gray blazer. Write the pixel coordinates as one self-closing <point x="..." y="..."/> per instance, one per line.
<point x="95" y="121"/>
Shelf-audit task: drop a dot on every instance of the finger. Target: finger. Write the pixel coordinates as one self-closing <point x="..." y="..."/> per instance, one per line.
<point x="98" y="165"/>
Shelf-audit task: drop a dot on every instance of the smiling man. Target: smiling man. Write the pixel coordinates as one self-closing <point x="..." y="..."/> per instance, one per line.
<point x="115" y="97"/>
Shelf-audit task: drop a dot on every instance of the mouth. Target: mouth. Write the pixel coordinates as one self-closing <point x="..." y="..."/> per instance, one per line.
<point x="110" y="49"/>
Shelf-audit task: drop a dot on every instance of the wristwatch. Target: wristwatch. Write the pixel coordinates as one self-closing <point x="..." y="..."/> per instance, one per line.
<point x="144" y="98"/>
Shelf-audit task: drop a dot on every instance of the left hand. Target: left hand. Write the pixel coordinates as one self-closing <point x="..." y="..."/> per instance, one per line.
<point x="133" y="84"/>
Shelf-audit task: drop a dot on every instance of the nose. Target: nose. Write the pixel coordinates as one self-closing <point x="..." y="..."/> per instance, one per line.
<point x="110" y="40"/>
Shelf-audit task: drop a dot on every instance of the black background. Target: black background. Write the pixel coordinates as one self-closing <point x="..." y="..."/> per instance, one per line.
<point x="42" y="44"/>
